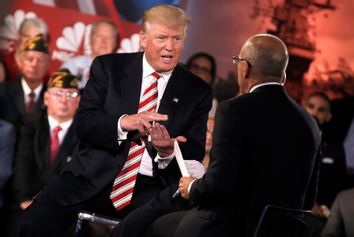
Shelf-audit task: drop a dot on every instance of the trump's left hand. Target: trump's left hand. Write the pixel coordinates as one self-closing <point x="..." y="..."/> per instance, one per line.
<point x="161" y="140"/>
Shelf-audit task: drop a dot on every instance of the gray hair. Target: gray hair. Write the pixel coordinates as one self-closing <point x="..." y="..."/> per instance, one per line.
<point x="35" y="22"/>
<point x="105" y="21"/>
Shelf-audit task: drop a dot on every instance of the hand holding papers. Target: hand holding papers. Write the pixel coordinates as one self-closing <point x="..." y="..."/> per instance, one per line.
<point x="187" y="167"/>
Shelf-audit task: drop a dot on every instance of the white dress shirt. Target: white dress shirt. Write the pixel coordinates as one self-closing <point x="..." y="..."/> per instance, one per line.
<point x="64" y="127"/>
<point x="26" y="90"/>
<point x="146" y="164"/>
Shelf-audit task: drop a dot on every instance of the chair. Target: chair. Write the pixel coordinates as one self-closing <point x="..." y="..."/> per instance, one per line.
<point x="86" y="217"/>
<point x="277" y="221"/>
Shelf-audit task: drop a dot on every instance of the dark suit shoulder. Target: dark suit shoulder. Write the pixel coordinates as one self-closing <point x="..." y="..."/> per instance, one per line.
<point x="118" y="60"/>
<point x="190" y="79"/>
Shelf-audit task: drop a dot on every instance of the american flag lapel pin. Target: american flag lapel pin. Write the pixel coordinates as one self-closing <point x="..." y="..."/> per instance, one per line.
<point x="175" y="100"/>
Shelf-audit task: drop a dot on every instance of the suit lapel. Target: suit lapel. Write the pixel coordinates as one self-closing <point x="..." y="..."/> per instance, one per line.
<point x="43" y="142"/>
<point x="66" y="148"/>
<point x="173" y="95"/>
<point x="130" y="85"/>
<point x="19" y="97"/>
<point x="39" y="103"/>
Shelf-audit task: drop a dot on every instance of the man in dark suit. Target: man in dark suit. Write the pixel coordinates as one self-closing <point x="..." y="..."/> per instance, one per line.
<point x="264" y="152"/>
<point x="43" y="149"/>
<point x="110" y="118"/>
<point x="25" y="95"/>
<point x="34" y="162"/>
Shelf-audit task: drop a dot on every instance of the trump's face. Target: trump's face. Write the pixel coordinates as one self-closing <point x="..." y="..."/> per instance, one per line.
<point x="162" y="45"/>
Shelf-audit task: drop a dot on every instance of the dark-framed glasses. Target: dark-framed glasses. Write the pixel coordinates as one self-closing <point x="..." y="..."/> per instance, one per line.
<point x="59" y="94"/>
<point x="238" y="59"/>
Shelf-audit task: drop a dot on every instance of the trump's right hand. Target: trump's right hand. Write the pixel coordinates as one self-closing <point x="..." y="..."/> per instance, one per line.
<point x="141" y="121"/>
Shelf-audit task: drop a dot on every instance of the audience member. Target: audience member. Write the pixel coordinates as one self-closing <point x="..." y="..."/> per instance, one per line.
<point x="46" y="143"/>
<point x="7" y="147"/>
<point x="113" y="117"/>
<point x="25" y="95"/>
<point x="103" y="40"/>
<point x="204" y="66"/>
<point x="29" y="28"/>
<point x="333" y="174"/>
<point x="340" y="221"/>
<point x="264" y="152"/>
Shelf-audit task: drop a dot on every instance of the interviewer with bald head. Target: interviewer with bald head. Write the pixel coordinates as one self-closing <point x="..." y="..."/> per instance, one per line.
<point x="264" y="152"/>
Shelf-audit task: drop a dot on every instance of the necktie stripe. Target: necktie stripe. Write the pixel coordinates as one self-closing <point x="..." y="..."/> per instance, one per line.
<point x="149" y="104"/>
<point x="132" y="161"/>
<point x="120" y="200"/>
<point x="136" y="153"/>
<point x="151" y="88"/>
<point x="121" y="179"/>
<point x="124" y="183"/>
<point x="123" y="188"/>
<point x="148" y="97"/>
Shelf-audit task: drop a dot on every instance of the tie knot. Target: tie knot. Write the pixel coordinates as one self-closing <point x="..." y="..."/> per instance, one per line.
<point x="31" y="95"/>
<point x="56" y="129"/>
<point x="155" y="75"/>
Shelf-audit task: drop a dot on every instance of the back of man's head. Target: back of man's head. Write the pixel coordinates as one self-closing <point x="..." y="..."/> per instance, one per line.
<point x="267" y="55"/>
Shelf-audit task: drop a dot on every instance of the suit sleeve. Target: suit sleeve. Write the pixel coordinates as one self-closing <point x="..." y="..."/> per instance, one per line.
<point x="93" y="125"/>
<point x="7" y="146"/>
<point x="224" y="168"/>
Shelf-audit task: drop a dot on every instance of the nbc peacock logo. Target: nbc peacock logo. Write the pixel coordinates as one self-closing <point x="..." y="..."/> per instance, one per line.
<point x="8" y="31"/>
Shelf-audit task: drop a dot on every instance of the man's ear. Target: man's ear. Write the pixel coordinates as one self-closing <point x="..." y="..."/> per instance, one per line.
<point x="245" y="71"/>
<point x="142" y="39"/>
<point x="283" y="79"/>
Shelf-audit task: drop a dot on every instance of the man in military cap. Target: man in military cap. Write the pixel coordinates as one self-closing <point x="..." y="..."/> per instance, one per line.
<point x="25" y="95"/>
<point x="47" y="140"/>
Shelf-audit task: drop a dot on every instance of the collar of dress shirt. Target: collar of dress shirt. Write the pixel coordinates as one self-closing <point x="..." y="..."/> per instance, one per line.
<point x="147" y="70"/>
<point x="264" y="84"/>
<point x="53" y="123"/>
<point x="27" y="89"/>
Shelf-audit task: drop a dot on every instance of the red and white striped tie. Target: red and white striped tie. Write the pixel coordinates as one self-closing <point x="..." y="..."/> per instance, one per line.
<point x="123" y="186"/>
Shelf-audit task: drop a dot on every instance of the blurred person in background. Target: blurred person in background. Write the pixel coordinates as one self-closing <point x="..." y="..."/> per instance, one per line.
<point x="29" y="28"/>
<point x="333" y="174"/>
<point x="103" y="40"/>
<point x="25" y="95"/>
<point x="204" y="66"/>
<point x="46" y="143"/>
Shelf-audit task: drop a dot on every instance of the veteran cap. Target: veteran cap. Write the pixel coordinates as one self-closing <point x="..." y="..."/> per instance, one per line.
<point x="37" y="43"/>
<point x="63" y="79"/>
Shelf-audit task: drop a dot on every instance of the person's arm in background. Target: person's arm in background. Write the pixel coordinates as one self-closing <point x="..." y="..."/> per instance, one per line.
<point x="7" y="146"/>
<point x="334" y="225"/>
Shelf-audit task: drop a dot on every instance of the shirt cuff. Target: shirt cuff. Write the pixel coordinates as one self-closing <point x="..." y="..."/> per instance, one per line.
<point x="190" y="186"/>
<point x="121" y="134"/>
<point x="163" y="162"/>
